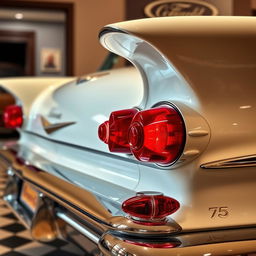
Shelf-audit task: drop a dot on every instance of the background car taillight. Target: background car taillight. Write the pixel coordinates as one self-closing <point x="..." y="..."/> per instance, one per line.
<point x="150" y="207"/>
<point x="115" y="131"/>
<point x="154" y="135"/>
<point x="13" y="117"/>
<point x="157" y="135"/>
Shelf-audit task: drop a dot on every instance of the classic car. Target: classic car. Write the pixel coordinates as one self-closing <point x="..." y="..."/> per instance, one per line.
<point x="154" y="159"/>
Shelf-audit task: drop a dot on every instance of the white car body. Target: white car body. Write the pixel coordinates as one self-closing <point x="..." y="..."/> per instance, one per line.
<point x="205" y="67"/>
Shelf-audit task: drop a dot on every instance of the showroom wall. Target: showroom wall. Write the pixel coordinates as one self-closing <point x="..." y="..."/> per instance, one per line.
<point x="253" y="4"/>
<point x="90" y="17"/>
<point x="224" y="7"/>
<point x="232" y="7"/>
<point x="48" y="35"/>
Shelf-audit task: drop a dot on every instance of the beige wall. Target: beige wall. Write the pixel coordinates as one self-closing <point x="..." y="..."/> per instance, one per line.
<point x="90" y="17"/>
<point x="253" y="4"/>
<point x="225" y="7"/>
<point x="233" y="7"/>
<point x="242" y="7"/>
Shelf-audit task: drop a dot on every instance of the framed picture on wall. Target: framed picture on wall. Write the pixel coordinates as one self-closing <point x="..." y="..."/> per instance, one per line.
<point x="50" y="60"/>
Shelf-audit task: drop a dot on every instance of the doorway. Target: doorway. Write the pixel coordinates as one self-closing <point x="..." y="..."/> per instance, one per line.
<point x="17" y="53"/>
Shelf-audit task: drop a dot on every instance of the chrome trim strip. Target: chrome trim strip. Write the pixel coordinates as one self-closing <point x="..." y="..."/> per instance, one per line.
<point x="108" y="29"/>
<point x="198" y="133"/>
<point x="95" y="151"/>
<point x="111" y="245"/>
<point x="91" y="77"/>
<point x="235" y="162"/>
<point x="77" y="226"/>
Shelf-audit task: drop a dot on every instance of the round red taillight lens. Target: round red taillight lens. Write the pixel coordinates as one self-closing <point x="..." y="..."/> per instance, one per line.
<point x="150" y="207"/>
<point x="13" y="117"/>
<point x="157" y="135"/>
<point x="119" y="123"/>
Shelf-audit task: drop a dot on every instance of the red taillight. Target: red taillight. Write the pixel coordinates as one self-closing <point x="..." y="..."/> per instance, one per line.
<point x="103" y="132"/>
<point x="150" y="207"/>
<point x="13" y="117"/>
<point x="115" y="131"/>
<point x="157" y="135"/>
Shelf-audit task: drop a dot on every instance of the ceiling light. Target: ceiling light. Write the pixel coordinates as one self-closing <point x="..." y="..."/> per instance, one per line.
<point x="18" y="16"/>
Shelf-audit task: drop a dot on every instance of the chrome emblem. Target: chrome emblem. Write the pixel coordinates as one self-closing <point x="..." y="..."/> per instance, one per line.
<point x="50" y="128"/>
<point x="165" y="8"/>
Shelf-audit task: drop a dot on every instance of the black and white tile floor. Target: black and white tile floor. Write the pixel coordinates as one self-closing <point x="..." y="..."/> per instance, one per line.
<point x="15" y="240"/>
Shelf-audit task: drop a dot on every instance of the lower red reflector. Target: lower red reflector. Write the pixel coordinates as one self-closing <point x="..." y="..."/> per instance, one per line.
<point x="148" y="207"/>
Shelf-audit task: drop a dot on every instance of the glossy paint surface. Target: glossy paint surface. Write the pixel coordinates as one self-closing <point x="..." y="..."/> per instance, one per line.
<point x="205" y="67"/>
<point x="87" y="104"/>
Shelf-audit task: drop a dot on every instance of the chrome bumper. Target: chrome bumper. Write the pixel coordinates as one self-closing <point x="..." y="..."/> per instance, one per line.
<point x="63" y="203"/>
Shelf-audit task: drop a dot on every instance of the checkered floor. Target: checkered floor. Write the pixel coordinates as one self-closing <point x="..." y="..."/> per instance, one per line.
<point x="15" y="240"/>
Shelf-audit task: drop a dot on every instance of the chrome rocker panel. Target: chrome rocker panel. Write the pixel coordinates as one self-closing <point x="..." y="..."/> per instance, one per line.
<point x="60" y="206"/>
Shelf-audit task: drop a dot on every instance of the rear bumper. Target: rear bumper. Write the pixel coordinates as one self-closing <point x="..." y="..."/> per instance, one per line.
<point x="63" y="204"/>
